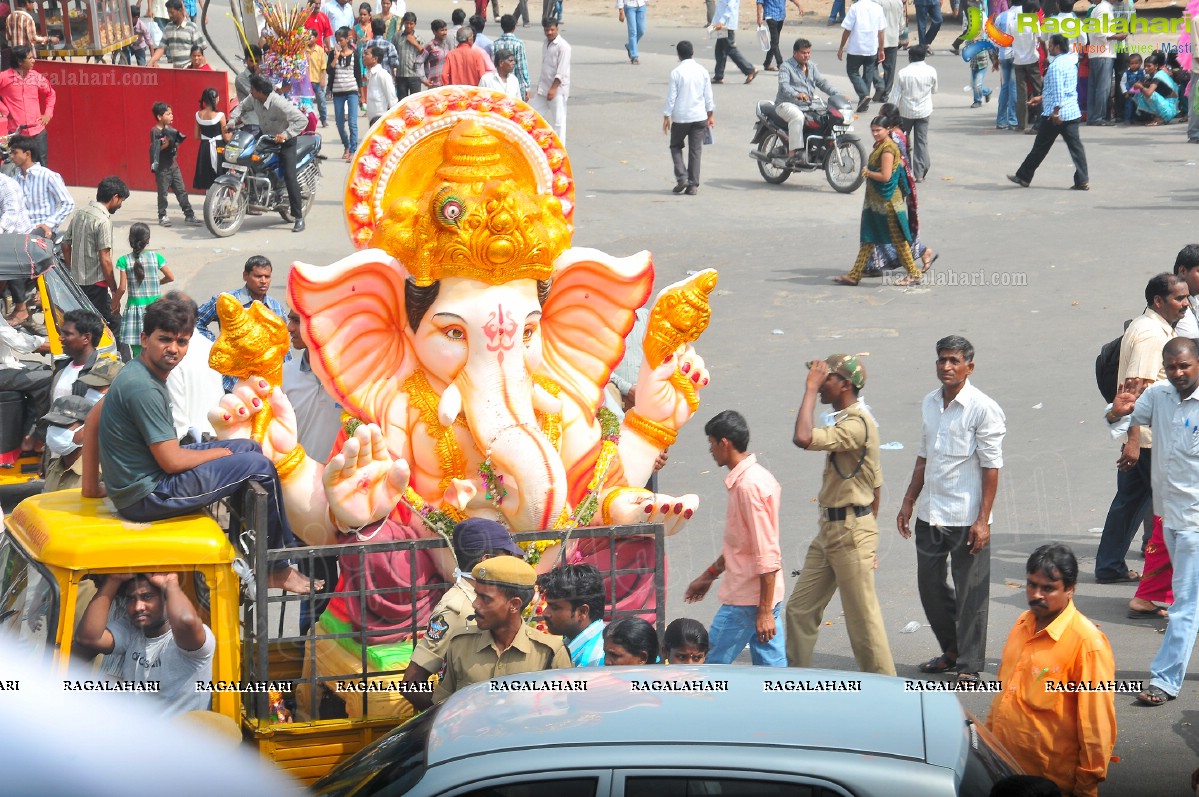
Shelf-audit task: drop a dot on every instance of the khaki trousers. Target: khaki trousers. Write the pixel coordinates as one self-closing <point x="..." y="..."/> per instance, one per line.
<point x="841" y="557"/>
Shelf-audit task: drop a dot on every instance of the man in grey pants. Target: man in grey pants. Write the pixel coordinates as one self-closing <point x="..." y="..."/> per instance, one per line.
<point x="917" y="85"/>
<point x="955" y="479"/>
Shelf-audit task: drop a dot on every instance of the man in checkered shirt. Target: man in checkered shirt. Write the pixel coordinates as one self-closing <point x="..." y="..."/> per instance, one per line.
<point x="1060" y="116"/>
<point x="178" y="38"/>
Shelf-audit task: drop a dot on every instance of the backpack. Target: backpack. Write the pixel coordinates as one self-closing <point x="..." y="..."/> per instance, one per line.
<point x="1107" y="367"/>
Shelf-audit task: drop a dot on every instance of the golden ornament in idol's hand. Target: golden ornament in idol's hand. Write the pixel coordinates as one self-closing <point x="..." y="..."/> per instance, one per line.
<point x="253" y="343"/>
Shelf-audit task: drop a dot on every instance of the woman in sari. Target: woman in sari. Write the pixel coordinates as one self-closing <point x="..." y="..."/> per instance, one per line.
<point x="884" y="210"/>
<point x="885" y="256"/>
<point x="1159" y="92"/>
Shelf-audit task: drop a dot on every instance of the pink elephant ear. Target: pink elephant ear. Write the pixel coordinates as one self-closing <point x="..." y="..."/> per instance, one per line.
<point x="353" y="319"/>
<point x="588" y="315"/>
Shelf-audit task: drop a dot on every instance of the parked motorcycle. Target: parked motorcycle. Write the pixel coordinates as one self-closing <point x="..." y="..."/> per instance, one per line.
<point x="829" y="143"/>
<point x="253" y="180"/>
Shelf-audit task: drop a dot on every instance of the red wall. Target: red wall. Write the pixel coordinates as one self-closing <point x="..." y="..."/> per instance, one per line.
<point x="102" y="119"/>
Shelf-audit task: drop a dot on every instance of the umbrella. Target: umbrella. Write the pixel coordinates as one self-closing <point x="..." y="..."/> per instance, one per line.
<point x="25" y="256"/>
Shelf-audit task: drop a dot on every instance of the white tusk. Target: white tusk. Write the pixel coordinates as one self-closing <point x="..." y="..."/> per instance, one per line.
<point x="544" y="402"/>
<point x="450" y="405"/>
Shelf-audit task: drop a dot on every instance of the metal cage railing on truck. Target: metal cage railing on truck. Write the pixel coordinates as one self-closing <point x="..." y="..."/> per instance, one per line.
<point x="247" y="513"/>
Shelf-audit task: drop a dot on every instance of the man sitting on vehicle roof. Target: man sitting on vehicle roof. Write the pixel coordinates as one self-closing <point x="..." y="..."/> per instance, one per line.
<point x="148" y="474"/>
<point x="161" y="639"/>
<point x="501" y="644"/>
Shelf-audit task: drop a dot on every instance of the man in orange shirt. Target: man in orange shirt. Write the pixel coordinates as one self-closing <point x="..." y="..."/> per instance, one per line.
<point x="466" y="64"/>
<point x="1057" y="712"/>
<point x="751" y="595"/>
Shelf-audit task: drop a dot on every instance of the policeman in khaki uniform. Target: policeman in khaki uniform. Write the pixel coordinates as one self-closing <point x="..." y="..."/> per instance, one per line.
<point x="501" y="644"/>
<point x="475" y="540"/>
<point x="842" y="554"/>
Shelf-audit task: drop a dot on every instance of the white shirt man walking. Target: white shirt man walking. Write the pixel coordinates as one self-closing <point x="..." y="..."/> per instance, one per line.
<point x="553" y="84"/>
<point x="955" y="479"/>
<point x="687" y="115"/>
<point x="864" y="31"/>
<point x="917" y="85"/>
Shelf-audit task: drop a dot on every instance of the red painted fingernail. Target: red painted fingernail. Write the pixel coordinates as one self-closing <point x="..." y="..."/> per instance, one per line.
<point x="665" y="508"/>
<point x="705" y="382"/>
<point x="241" y="410"/>
<point x="668" y="358"/>
<point x="678" y="507"/>
<point x="257" y="403"/>
<point x="228" y="417"/>
<point x="695" y="377"/>
<point x="688" y="514"/>
<point x="685" y="367"/>
<point x="649" y="509"/>
<point x="262" y="383"/>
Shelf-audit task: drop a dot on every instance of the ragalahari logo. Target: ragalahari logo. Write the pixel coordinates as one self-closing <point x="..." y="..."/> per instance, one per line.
<point x="976" y="26"/>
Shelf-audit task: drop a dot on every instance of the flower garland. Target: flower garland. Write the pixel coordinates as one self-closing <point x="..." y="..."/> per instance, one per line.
<point x="493" y="483"/>
<point x="586" y="509"/>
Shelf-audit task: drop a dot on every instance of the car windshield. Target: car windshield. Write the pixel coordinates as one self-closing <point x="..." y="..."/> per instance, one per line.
<point x="28" y="600"/>
<point x="985" y="765"/>
<point x="395" y="763"/>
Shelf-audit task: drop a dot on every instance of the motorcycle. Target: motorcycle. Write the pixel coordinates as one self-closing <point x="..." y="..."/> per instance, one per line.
<point x="253" y="180"/>
<point x="829" y="143"/>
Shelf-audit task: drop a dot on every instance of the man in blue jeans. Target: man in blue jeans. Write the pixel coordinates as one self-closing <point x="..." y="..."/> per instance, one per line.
<point x="751" y="594"/>
<point x="148" y="475"/>
<point x="928" y="20"/>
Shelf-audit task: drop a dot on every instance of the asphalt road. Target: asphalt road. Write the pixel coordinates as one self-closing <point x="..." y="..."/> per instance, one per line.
<point x="1044" y="275"/>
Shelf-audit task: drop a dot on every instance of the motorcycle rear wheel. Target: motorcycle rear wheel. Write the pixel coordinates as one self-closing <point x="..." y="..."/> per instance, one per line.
<point x="845" y="177"/>
<point x="225" y="208"/>
<point x="767" y="147"/>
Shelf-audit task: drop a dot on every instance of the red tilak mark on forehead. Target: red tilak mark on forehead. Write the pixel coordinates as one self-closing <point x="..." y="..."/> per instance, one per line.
<point x="500" y="331"/>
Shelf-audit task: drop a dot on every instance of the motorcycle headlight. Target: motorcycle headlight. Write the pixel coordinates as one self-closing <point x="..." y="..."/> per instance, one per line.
<point x="232" y="153"/>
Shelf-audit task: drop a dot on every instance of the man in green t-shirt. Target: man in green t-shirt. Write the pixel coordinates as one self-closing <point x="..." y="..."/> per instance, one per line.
<point x="148" y="475"/>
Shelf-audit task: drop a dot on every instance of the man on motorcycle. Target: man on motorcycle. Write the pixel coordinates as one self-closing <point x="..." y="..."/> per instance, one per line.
<point x="798" y="81"/>
<point x="281" y="119"/>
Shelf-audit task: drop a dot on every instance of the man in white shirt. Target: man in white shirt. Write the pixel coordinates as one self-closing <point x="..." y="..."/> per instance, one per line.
<point x="864" y="30"/>
<point x="380" y="86"/>
<point x="955" y="479"/>
<point x="1186" y="265"/>
<point x="14" y="218"/>
<point x="687" y="115"/>
<point x="917" y="85"/>
<point x="193" y="386"/>
<point x="318" y="416"/>
<point x="504" y="77"/>
<point x="896" y="15"/>
<point x="1027" y="70"/>
<point x="1101" y="57"/>
<point x="553" y="84"/>
<point x="724" y="22"/>
<point x="340" y="14"/>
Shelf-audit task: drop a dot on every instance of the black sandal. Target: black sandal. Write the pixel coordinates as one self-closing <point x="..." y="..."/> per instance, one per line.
<point x="937" y="664"/>
<point x="1154" y="696"/>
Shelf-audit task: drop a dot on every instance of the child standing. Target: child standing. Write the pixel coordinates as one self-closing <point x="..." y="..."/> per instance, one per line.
<point x="979" y="65"/>
<point x="141" y="275"/>
<point x="1133" y="75"/>
<point x="164" y="146"/>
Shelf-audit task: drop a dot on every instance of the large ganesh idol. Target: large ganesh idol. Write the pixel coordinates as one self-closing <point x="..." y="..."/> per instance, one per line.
<point x="474" y="345"/>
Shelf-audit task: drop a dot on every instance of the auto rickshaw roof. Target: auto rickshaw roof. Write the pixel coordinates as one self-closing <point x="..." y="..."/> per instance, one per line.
<point x="24" y="256"/>
<point x="65" y="530"/>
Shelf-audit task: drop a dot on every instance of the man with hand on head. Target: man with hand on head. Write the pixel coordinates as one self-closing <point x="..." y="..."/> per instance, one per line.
<point x="841" y="557"/>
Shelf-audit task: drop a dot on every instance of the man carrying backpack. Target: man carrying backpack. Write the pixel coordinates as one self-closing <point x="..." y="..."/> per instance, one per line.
<point x="1167" y="299"/>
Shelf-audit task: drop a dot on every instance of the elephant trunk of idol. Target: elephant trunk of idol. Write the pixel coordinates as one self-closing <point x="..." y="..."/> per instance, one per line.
<point x="497" y="399"/>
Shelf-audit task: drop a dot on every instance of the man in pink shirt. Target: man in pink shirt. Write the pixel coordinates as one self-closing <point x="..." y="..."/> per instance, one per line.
<point x="29" y="98"/>
<point x="841" y="557"/>
<point x="751" y="594"/>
